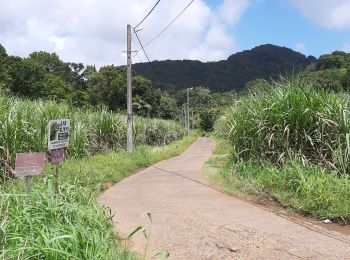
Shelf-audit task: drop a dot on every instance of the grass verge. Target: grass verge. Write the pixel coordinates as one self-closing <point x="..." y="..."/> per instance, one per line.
<point x="71" y="225"/>
<point x="301" y="186"/>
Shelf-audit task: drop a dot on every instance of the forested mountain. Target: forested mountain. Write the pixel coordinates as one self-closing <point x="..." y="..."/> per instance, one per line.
<point x="265" y="61"/>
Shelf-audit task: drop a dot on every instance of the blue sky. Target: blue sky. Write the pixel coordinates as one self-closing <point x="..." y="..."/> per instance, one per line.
<point x="281" y="23"/>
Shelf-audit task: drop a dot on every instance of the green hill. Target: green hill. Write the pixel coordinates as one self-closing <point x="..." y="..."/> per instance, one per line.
<point x="265" y="61"/>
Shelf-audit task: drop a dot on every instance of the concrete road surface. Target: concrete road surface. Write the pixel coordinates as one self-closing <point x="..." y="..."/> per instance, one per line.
<point x="193" y="221"/>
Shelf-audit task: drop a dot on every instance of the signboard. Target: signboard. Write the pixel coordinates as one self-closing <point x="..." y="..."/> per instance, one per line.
<point x="57" y="156"/>
<point x="29" y="164"/>
<point x="58" y="135"/>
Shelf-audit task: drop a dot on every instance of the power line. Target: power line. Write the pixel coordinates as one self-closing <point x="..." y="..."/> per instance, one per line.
<point x="147" y="15"/>
<point x="143" y="49"/>
<point x="169" y="24"/>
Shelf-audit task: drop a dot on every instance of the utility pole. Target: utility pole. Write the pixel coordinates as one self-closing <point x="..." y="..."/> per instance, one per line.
<point x="192" y="119"/>
<point x="183" y="120"/>
<point x="130" y="141"/>
<point x="188" y="112"/>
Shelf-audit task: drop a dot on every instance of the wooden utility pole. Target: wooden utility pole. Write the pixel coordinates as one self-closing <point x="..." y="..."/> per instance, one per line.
<point x="188" y="112"/>
<point x="192" y="119"/>
<point x="183" y="116"/>
<point x="130" y="141"/>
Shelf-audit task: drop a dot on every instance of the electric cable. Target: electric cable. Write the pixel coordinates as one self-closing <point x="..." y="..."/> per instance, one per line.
<point x="167" y="27"/>
<point x="147" y="15"/>
<point x="143" y="49"/>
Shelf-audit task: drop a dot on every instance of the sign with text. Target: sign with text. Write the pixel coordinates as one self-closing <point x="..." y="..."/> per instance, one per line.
<point x="57" y="156"/>
<point x="29" y="164"/>
<point x="58" y="135"/>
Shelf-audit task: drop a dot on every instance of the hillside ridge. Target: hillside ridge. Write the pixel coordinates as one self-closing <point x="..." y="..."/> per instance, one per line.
<point x="265" y="61"/>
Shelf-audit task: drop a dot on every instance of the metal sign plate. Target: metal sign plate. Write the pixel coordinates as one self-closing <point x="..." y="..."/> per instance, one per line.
<point x="58" y="135"/>
<point x="29" y="164"/>
<point x="57" y="156"/>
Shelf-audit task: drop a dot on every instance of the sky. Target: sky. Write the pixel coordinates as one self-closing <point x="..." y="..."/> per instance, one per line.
<point x="94" y="31"/>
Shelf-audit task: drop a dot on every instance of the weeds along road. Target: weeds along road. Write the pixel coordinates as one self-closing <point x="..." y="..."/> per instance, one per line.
<point x="194" y="221"/>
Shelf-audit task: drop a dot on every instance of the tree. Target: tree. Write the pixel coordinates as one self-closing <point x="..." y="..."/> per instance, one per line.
<point x="207" y="120"/>
<point x="80" y="98"/>
<point x="4" y="77"/>
<point x="346" y="80"/>
<point x="168" y="108"/>
<point x="25" y="77"/>
<point x="200" y="98"/>
<point x="108" y="87"/>
<point x="50" y="62"/>
<point x="71" y="73"/>
<point x="2" y="51"/>
<point x="336" y="60"/>
<point x="53" y="87"/>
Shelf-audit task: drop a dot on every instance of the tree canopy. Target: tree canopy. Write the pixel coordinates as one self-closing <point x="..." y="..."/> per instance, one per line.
<point x="330" y="71"/>
<point x="44" y="75"/>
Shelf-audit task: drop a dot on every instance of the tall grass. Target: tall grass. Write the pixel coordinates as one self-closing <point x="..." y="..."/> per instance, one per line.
<point x="47" y="226"/>
<point x="291" y="118"/>
<point x="290" y="140"/>
<point x="23" y="128"/>
<point x="71" y="225"/>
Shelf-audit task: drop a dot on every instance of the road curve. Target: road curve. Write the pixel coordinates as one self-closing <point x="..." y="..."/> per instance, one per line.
<point x="193" y="221"/>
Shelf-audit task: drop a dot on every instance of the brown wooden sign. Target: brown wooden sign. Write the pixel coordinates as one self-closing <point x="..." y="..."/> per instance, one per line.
<point x="29" y="164"/>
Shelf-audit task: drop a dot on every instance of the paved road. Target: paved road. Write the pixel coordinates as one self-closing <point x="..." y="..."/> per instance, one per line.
<point x="193" y="221"/>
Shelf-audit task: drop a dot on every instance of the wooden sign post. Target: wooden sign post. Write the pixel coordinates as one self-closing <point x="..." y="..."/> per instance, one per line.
<point x="58" y="139"/>
<point x="28" y="165"/>
<point x="56" y="158"/>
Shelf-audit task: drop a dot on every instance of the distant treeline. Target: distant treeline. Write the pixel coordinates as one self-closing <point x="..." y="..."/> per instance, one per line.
<point x="45" y="76"/>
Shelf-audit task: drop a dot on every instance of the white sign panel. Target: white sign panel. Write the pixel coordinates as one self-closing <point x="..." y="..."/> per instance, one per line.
<point x="58" y="135"/>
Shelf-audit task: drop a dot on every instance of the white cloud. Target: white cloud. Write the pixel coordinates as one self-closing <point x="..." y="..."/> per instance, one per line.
<point x="300" y="47"/>
<point x="326" y="13"/>
<point x="231" y="11"/>
<point x="94" y="31"/>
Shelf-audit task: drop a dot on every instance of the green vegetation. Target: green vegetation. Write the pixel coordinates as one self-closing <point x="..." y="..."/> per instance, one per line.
<point x="306" y="188"/>
<point x="24" y="128"/>
<point x="43" y="75"/>
<point x="330" y="71"/>
<point x="265" y="61"/>
<point x="71" y="225"/>
<point x="290" y="119"/>
<point x="291" y="141"/>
